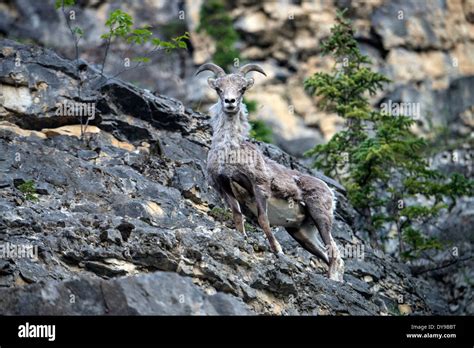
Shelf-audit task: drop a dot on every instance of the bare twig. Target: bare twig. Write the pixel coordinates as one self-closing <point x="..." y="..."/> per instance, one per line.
<point x="107" y="46"/>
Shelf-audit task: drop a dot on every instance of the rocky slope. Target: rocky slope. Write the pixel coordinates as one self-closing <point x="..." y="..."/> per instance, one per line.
<point x="125" y="222"/>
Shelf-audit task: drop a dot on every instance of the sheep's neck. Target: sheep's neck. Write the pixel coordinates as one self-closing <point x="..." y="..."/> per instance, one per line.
<point x="229" y="130"/>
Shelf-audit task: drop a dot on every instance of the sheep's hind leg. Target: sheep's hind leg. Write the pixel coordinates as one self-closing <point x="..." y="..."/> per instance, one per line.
<point x="323" y="219"/>
<point x="306" y="236"/>
<point x="261" y="202"/>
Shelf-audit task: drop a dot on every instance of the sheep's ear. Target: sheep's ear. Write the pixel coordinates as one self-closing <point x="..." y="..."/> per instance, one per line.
<point x="211" y="82"/>
<point x="250" y="82"/>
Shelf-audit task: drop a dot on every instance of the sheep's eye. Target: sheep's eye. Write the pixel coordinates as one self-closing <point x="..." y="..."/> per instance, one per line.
<point x="218" y="90"/>
<point x="242" y="90"/>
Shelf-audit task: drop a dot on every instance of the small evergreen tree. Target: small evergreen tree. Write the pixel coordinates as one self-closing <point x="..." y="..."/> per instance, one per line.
<point x="376" y="156"/>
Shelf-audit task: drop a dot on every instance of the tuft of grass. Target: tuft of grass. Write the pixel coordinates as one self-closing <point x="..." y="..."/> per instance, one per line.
<point x="221" y="214"/>
<point x="28" y="188"/>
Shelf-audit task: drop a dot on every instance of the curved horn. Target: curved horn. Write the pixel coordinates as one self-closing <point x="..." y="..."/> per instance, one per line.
<point x="212" y="67"/>
<point x="251" y="67"/>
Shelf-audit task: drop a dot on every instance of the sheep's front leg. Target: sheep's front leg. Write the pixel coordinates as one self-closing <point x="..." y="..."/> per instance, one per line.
<point x="261" y="202"/>
<point x="237" y="213"/>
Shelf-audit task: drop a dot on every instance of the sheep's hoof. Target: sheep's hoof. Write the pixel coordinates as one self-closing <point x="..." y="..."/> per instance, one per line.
<point x="337" y="277"/>
<point x="336" y="271"/>
<point x="277" y="250"/>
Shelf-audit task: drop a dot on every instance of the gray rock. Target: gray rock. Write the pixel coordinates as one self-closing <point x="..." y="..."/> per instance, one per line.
<point x="394" y="31"/>
<point x="440" y="107"/>
<point x="112" y="236"/>
<point x="125" y="229"/>
<point x="151" y="294"/>
<point x="87" y="155"/>
<point x="43" y="189"/>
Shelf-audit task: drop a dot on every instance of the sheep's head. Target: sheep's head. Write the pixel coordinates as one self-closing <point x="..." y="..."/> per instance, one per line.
<point x="230" y="87"/>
